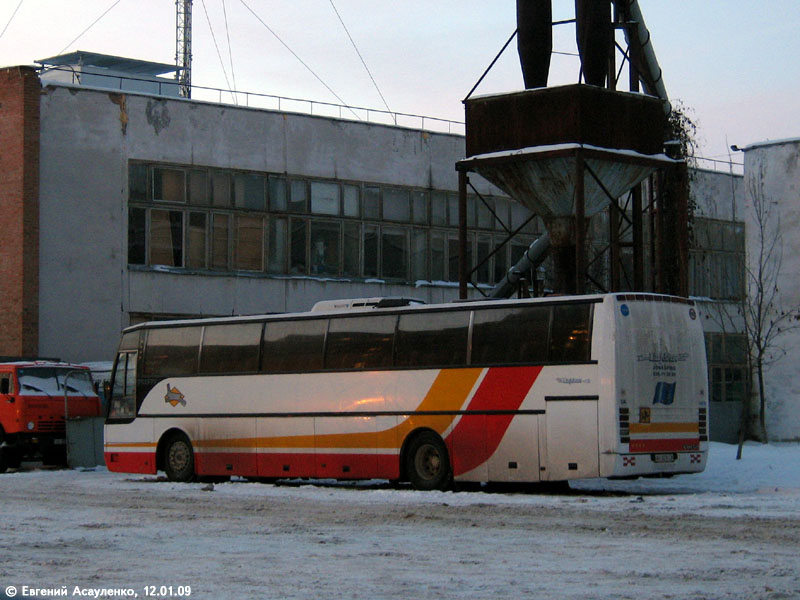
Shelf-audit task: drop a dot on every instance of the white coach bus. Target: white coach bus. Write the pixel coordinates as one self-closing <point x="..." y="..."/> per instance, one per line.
<point x="547" y="389"/>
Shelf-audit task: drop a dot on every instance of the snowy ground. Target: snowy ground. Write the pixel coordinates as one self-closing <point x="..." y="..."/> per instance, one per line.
<point x="730" y="532"/>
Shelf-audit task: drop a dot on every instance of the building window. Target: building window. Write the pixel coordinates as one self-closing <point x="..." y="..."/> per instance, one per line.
<point x="324" y="198"/>
<point x="219" y="241"/>
<point x="196" y="241"/>
<point x="727" y="366"/>
<point x="325" y="237"/>
<point x="249" y="191"/>
<point x="233" y="220"/>
<point x="717" y="259"/>
<point x="166" y="238"/>
<point x="168" y="185"/>
<point x="137" y="228"/>
<point x="249" y="238"/>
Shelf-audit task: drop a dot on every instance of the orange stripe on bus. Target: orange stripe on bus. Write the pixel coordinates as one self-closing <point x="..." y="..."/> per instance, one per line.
<point x="448" y="392"/>
<point x="664" y="428"/>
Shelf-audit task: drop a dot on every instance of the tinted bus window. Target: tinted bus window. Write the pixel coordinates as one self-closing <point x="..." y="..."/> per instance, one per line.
<point x="172" y="351"/>
<point x="570" y="339"/>
<point x="510" y="336"/>
<point x="130" y="341"/>
<point x="292" y="346"/>
<point x="428" y="339"/>
<point x="360" y="342"/>
<point x="231" y="348"/>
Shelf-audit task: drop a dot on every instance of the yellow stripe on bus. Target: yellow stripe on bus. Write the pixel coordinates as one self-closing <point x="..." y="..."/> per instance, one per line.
<point x="664" y="428"/>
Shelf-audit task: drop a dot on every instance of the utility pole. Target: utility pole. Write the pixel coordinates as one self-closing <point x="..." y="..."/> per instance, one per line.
<point x="183" y="46"/>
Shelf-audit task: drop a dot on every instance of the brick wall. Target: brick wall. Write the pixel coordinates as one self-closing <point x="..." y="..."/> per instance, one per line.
<point x="19" y="211"/>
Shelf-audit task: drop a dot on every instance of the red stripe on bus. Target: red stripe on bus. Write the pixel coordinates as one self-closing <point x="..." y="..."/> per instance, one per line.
<point x="131" y="462"/>
<point x="665" y="445"/>
<point x="476" y="437"/>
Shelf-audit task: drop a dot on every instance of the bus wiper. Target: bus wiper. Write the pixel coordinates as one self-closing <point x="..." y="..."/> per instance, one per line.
<point x="34" y="388"/>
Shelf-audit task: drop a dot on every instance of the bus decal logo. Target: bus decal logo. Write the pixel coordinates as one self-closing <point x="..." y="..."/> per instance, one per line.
<point x="174" y="397"/>
<point x="665" y="393"/>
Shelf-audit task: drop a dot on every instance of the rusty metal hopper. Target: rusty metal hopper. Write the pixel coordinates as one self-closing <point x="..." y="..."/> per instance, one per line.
<point x="543" y="178"/>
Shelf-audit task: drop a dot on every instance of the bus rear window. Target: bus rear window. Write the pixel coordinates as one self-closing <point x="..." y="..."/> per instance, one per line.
<point x="171" y="352"/>
<point x="570" y="338"/>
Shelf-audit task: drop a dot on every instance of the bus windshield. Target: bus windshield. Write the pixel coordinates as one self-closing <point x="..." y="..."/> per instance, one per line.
<point x="49" y="381"/>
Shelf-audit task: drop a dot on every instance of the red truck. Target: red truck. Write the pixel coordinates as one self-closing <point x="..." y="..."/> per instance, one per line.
<point x="35" y="399"/>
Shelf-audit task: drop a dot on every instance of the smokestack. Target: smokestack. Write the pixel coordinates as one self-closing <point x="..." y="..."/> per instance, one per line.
<point x="534" y="40"/>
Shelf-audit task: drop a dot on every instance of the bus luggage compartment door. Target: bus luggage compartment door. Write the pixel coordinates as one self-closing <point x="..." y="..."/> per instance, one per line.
<point x="571" y="438"/>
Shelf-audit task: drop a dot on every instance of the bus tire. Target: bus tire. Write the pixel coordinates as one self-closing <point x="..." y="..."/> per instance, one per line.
<point x="428" y="463"/>
<point x="179" y="458"/>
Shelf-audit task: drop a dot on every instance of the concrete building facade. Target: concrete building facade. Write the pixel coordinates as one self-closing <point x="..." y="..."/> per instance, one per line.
<point x="123" y="207"/>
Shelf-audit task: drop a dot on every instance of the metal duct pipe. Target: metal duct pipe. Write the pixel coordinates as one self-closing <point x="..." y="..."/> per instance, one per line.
<point x="534" y="40"/>
<point x="533" y="257"/>
<point x="653" y="73"/>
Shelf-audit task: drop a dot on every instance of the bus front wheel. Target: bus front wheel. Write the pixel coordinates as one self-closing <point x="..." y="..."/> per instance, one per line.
<point x="427" y="462"/>
<point x="179" y="458"/>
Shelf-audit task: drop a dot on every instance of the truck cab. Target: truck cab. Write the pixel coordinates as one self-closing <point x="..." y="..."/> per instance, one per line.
<point x="36" y="398"/>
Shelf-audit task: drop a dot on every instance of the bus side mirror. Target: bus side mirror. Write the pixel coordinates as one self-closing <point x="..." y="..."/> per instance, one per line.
<point x="5" y="386"/>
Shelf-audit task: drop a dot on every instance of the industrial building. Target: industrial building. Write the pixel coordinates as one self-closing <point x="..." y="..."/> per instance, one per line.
<point x="122" y="204"/>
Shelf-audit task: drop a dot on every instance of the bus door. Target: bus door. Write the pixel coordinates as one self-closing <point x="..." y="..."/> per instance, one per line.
<point x="571" y="438"/>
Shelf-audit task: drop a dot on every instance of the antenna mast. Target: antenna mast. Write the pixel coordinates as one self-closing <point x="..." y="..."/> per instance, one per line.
<point x="183" y="46"/>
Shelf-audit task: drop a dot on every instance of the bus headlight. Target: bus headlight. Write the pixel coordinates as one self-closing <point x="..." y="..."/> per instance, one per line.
<point x="31" y="425"/>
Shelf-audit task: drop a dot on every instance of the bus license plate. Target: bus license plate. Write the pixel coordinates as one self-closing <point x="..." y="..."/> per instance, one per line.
<point x="664" y="458"/>
<point x="59" y="442"/>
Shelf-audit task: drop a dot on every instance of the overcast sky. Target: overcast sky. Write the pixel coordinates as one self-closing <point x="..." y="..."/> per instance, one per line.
<point x="734" y="63"/>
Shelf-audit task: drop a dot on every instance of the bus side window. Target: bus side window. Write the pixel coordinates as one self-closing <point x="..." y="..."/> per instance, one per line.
<point x="432" y="339"/>
<point x="293" y="346"/>
<point x="231" y="348"/>
<point x="570" y="337"/>
<point x="171" y="351"/>
<point x="360" y="342"/>
<point x="509" y="336"/>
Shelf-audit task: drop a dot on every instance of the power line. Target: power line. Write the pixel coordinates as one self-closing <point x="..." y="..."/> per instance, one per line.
<point x="302" y="62"/>
<point x="219" y="54"/>
<point x="362" y="61"/>
<point x="90" y="26"/>
<point x="11" y="19"/>
<point x="230" y="51"/>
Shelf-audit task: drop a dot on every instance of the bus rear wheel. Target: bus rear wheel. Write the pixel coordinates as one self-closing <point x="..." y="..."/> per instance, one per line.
<point x="179" y="458"/>
<point x="427" y="462"/>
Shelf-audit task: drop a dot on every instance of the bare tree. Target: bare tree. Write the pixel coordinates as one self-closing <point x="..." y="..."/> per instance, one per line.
<point x="765" y="318"/>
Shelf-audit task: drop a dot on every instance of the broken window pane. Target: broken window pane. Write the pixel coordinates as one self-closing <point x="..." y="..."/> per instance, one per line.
<point x="196" y="241"/>
<point x="166" y="238"/>
<point x="324" y="248"/>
